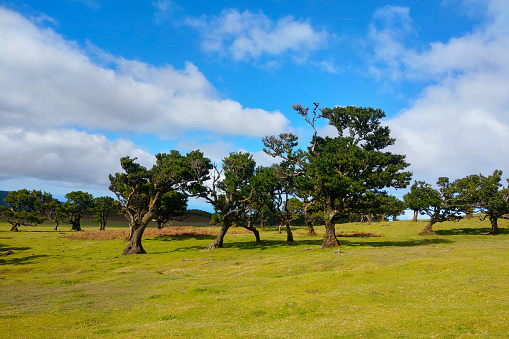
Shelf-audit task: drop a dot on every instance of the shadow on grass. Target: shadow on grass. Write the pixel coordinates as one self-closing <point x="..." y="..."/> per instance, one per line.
<point x="7" y="260"/>
<point x="316" y="242"/>
<point x="4" y="248"/>
<point x="406" y="243"/>
<point x="470" y="231"/>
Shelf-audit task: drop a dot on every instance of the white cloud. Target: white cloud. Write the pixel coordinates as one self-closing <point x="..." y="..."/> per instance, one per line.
<point x="48" y="82"/>
<point x="391" y="24"/>
<point x="67" y="156"/>
<point x="460" y="124"/>
<point x="52" y="94"/>
<point x="164" y="9"/>
<point x="246" y="36"/>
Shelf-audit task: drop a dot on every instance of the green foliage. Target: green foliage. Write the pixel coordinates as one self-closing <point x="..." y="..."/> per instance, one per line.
<point x="102" y="207"/>
<point x="349" y="171"/>
<point x="486" y="195"/>
<point x="24" y="208"/>
<point x="230" y="191"/>
<point x="77" y="204"/>
<point x="172" y="205"/>
<point x="139" y="190"/>
<point x="392" y="206"/>
<point x="440" y="204"/>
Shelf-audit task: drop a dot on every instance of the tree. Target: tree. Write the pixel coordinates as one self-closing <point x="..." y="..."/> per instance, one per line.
<point x="77" y="204"/>
<point x="281" y="180"/>
<point x="138" y="190"/>
<point x="24" y="207"/>
<point x="52" y="209"/>
<point x="102" y="207"/>
<point x="171" y="206"/>
<point x="440" y="204"/>
<point x="344" y="169"/>
<point x="414" y="201"/>
<point x="380" y="204"/>
<point x="393" y="207"/>
<point x="276" y="189"/>
<point x="229" y="190"/>
<point x="313" y="215"/>
<point x="486" y="195"/>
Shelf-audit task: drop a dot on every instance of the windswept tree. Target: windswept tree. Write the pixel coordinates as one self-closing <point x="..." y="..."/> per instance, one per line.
<point x="440" y="204"/>
<point x="414" y="200"/>
<point x="52" y="209"/>
<point x="138" y="190"/>
<point x="229" y="190"/>
<point x="343" y="169"/>
<point x="379" y="205"/>
<point x="276" y="189"/>
<point x="77" y="204"/>
<point x="485" y="194"/>
<point x="393" y="207"/>
<point x="102" y="207"/>
<point x="24" y="208"/>
<point x="171" y="206"/>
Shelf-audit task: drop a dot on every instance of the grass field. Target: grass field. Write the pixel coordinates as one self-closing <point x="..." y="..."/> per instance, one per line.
<point x="400" y="285"/>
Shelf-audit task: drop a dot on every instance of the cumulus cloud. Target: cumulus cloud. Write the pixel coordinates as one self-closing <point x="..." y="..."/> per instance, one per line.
<point x="52" y="94"/>
<point x="47" y="81"/>
<point x="246" y="36"/>
<point x="65" y="155"/>
<point x="459" y="125"/>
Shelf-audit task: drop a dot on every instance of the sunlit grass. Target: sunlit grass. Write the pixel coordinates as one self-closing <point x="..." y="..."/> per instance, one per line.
<point x="399" y="285"/>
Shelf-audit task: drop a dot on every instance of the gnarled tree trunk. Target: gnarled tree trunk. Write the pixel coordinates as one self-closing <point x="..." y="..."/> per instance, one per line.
<point x="136" y="230"/>
<point x="134" y="246"/>
<point x="428" y="230"/>
<point x="415" y="215"/>
<point x="15" y="224"/>
<point x="329" y="239"/>
<point x="218" y="243"/>
<point x="311" y="229"/>
<point x="289" y="235"/>
<point x="494" y="226"/>
<point x="255" y="232"/>
<point x="76" y="223"/>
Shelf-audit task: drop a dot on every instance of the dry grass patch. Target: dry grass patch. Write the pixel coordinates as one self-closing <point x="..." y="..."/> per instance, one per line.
<point x="178" y="231"/>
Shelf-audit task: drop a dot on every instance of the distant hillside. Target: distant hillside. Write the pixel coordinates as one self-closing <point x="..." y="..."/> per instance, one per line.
<point x="198" y="215"/>
<point x="3" y="195"/>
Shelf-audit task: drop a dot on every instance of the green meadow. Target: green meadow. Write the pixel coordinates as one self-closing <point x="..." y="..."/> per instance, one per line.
<point x="399" y="285"/>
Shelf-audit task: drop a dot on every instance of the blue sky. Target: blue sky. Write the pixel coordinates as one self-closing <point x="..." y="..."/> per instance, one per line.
<point x="84" y="82"/>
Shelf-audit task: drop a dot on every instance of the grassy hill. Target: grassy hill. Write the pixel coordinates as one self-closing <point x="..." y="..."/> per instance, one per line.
<point x="399" y="285"/>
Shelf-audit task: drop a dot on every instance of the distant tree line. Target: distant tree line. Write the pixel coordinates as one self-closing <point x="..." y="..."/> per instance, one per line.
<point x="334" y="179"/>
<point x="30" y="208"/>
<point x="461" y="198"/>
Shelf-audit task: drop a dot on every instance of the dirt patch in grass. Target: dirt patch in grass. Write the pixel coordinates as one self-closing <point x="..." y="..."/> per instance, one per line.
<point x="150" y="233"/>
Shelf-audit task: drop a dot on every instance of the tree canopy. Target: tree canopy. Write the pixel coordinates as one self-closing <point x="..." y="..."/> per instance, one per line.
<point x="24" y="207"/>
<point x="139" y="189"/>
<point x="340" y="171"/>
